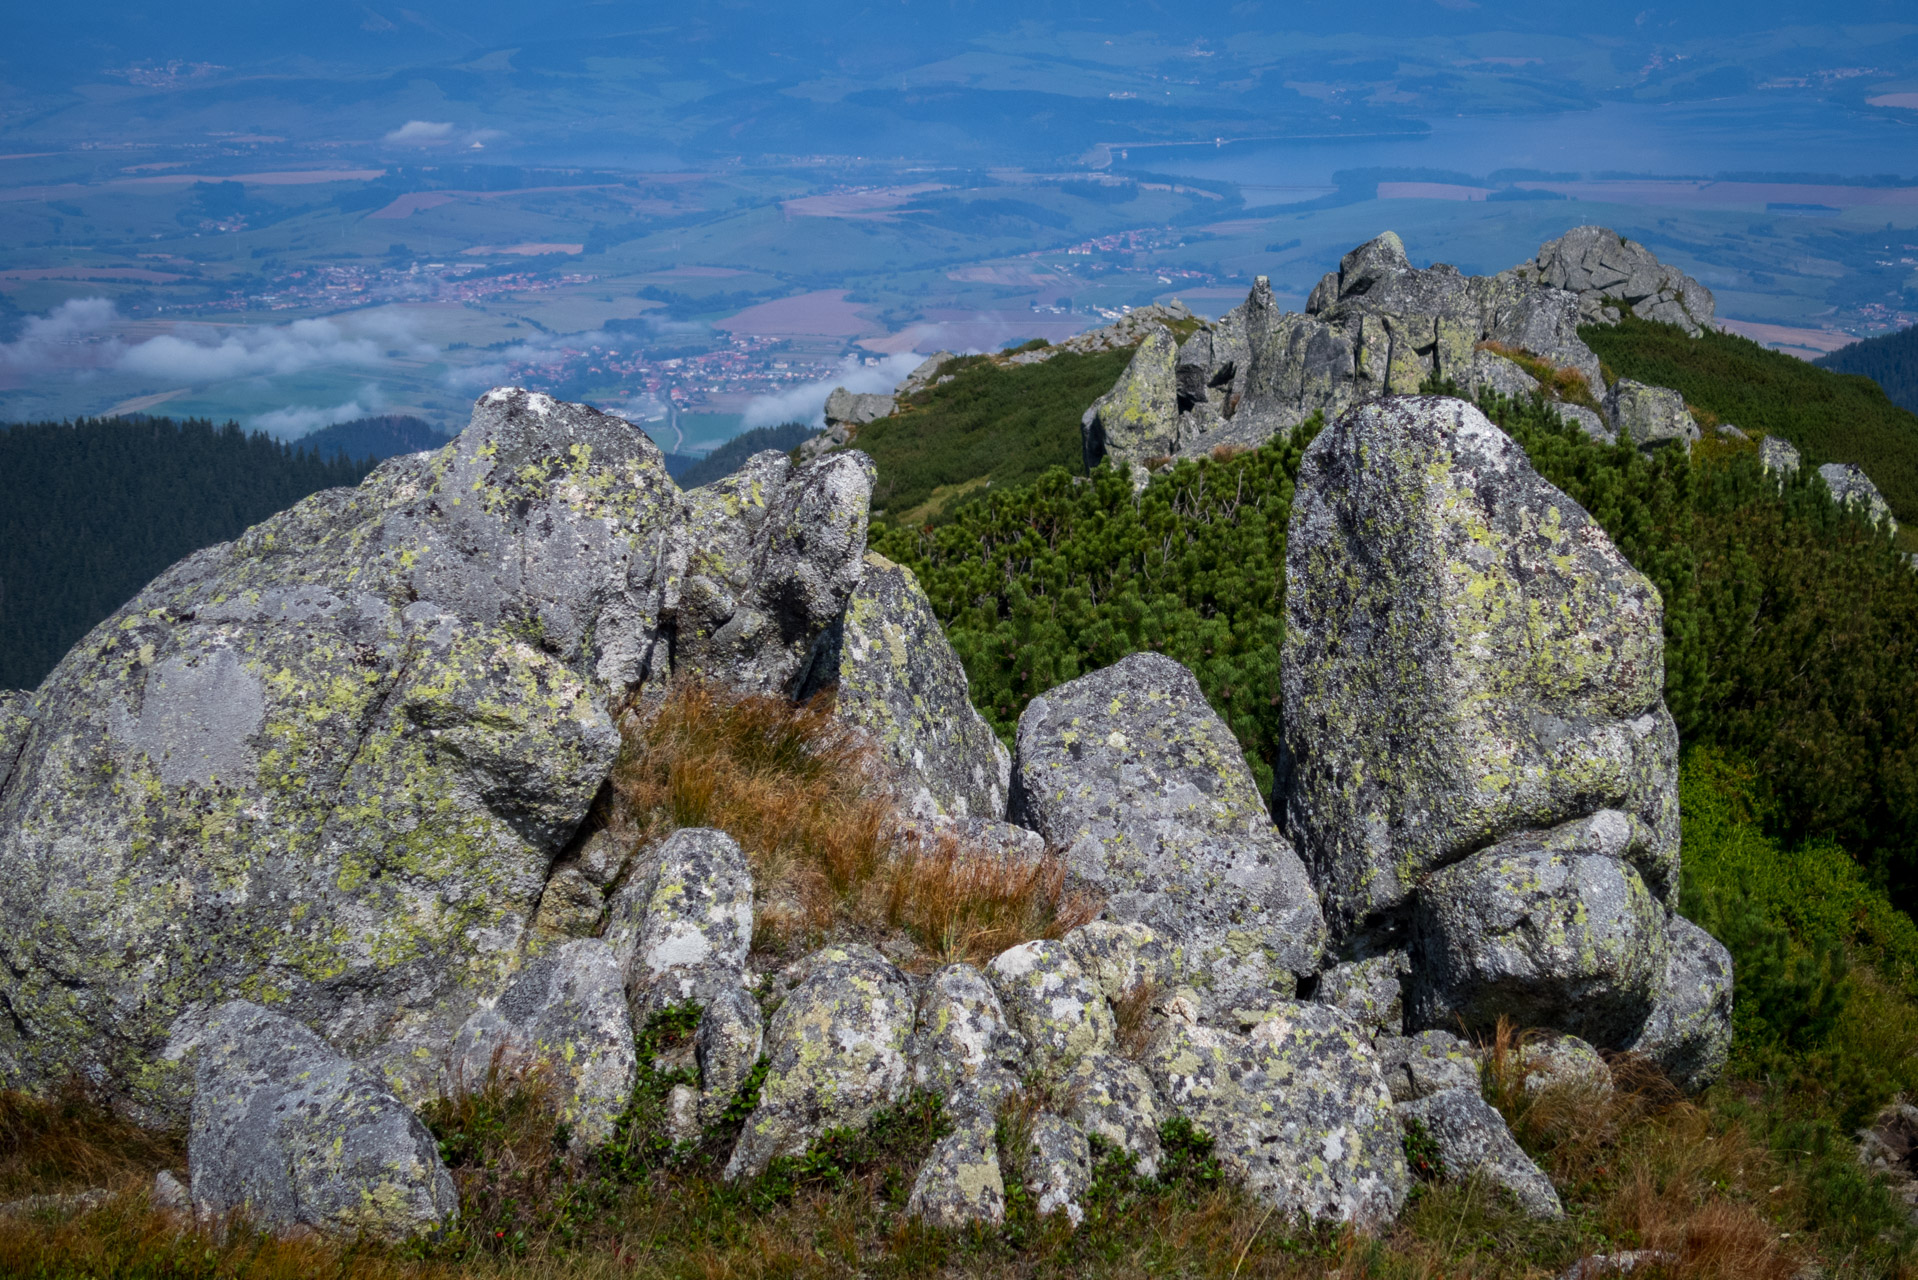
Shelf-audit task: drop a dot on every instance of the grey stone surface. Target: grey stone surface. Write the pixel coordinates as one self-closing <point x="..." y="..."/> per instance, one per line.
<point x="837" y="1050"/>
<point x="1562" y="937"/>
<point x="1425" y="1063"/>
<point x="1598" y="1266"/>
<point x="1139" y="418"/>
<point x="857" y="408"/>
<point x="726" y="1044"/>
<point x="960" y="1182"/>
<point x="899" y="680"/>
<point x="1648" y="416"/>
<point x="288" y="1130"/>
<point x="683" y="932"/>
<point x="1586" y="420"/>
<point x="1058" y="1169"/>
<point x="923" y="374"/>
<point x="1689" y="1031"/>
<point x="1778" y="455"/>
<point x="1298" y="1109"/>
<point x="1466" y="656"/>
<point x="1060" y="1011"/>
<point x="1554" y="1061"/>
<point x="16" y="718"/>
<point x="1851" y="487"/>
<point x="169" y="1194"/>
<point x="1604" y="269"/>
<point x="1495" y="373"/>
<point x="1473" y="1142"/>
<point x="961" y="1039"/>
<point x="762" y="564"/>
<point x="1135" y="777"/>
<point x="1368" y="991"/>
<point x="1120" y="959"/>
<point x="1115" y="1099"/>
<point x="338" y="758"/>
<point x="566" y="1009"/>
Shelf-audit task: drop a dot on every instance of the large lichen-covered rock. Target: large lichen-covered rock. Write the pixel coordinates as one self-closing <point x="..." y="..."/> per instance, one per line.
<point x="1297" y="1108"/>
<point x="16" y="718"/>
<point x="1132" y="774"/>
<point x="328" y="765"/>
<point x="960" y="1182"/>
<point x="1648" y="416"/>
<point x="567" y="1010"/>
<point x="762" y="564"/>
<point x="837" y="1050"/>
<point x="899" y="680"/>
<point x="1851" y="487"/>
<point x="690" y="924"/>
<point x="961" y="1041"/>
<point x="1058" y="1167"/>
<point x="1121" y="959"/>
<point x="1604" y="269"/>
<point x="1466" y="656"/>
<point x="1473" y="1142"/>
<point x="1115" y="1099"/>
<point x="1778" y="455"/>
<point x="1689" y="1030"/>
<point x="331" y="765"/>
<point x="292" y="1133"/>
<point x="726" y="1044"/>
<point x="1541" y="933"/>
<point x="1139" y="418"/>
<point x="1060" y="1011"/>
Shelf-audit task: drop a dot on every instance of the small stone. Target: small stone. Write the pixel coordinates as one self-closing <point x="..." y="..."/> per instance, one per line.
<point x="1367" y="991"/>
<point x="570" y="907"/>
<point x="1689" y="1031"/>
<point x="1587" y="420"/>
<point x="1115" y="1099"/>
<point x="960" y="1182"/>
<point x="961" y="1038"/>
<point x="1602" y="1266"/>
<point x="682" y="1113"/>
<point x="169" y="1194"/>
<point x="1648" y="416"/>
<point x="1059" y="1167"/>
<point x="1473" y="1142"/>
<point x="288" y="1130"/>
<point x="837" y="1051"/>
<point x="1553" y="1061"/>
<point x="728" y="1041"/>
<point x="1049" y="1000"/>
<point x="690" y="927"/>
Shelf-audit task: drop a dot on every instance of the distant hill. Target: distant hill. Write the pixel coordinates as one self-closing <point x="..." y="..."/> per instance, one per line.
<point x="91" y="511"/>
<point x="385" y="436"/>
<point x="1891" y="361"/>
<point x="732" y="455"/>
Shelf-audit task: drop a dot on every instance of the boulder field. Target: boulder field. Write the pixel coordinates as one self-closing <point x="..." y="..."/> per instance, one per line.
<point x="291" y="843"/>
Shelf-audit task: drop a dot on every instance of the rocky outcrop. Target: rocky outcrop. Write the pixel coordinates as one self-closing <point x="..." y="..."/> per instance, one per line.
<point x="1647" y="416"/>
<point x="1608" y="272"/>
<point x="294" y="1135"/>
<point x="1380" y="326"/>
<point x="1851" y="487"/>
<point x="566" y="1009"/>
<point x="837" y="1051"/>
<point x="1466" y="657"/>
<point x="1474" y="1143"/>
<point x="1139" y="782"/>
<point x="334" y="762"/>
<point x="1298" y="1109"/>
<point x="897" y="678"/>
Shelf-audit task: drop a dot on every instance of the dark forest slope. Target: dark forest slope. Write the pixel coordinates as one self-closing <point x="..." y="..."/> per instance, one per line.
<point x="1891" y="361"/>
<point x="91" y="511"/>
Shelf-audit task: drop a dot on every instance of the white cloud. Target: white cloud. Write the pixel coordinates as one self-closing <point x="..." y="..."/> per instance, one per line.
<point x="421" y="133"/>
<point x="75" y="334"/>
<point x="276" y="349"/>
<point x="807" y="402"/>
<point x="299" y="420"/>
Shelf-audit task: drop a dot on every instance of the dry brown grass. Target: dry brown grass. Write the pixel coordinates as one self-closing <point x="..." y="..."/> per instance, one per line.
<point x="69" y="1141"/>
<point x="809" y="802"/>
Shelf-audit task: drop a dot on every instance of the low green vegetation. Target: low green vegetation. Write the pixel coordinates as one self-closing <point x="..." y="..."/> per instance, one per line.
<point x="1831" y="417"/>
<point x="91" y="511"/>
<point x="1890" y="360"/>
<point x="995" y="425"/>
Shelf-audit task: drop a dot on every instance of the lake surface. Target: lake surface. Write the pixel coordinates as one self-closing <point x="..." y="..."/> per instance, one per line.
<point x="1764" y="133"/>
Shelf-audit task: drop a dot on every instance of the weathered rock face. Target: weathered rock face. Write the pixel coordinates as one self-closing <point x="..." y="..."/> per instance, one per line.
<point x="1466" y="656"/>
<point x="1778" y="455"/>
<point x="960" y="1183"/>
<point x="690" y="925"/>
<point x="1060" y="1012"/>
<point x="567" y="1009"/>
<point x="287" y="1129"/>
<point x="16" y="718"/>
<point x="726" y="1044"/>
<point x="1115" y="1099"/>
<point x="1605" y="269"/>
<point x="1851" y="487"/>
<point x="899" y="680"/>
<point x="329" y="765"/>
<point x="1298" y="1109"/>
<point x="838" y="1053"/>
<point x="1058" y="1168"/>
<point x="1649" y="416"/>
<point x="856" y="408"/>
<point x="1369" y="992"/>
<point x="1139" y="418"/>
<point x="1132" y="774"/>
<point x="1473" y="1142"/>
<point x="1429" y="1062"/>
<point x="961" y="1041"/>
<point x="1548" y="937"/>
<point x="1689" y="1031"/>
